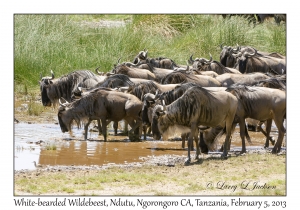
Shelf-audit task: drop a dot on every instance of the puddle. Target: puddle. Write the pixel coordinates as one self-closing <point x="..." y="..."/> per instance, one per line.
<point x="47" y="145"/>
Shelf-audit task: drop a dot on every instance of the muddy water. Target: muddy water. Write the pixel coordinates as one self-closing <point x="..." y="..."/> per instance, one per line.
<point x="47" y="145"/>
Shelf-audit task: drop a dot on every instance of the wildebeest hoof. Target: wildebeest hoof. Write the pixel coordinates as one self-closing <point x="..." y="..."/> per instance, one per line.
<point x="223" y="156"/>
<point x="187" y="162"/>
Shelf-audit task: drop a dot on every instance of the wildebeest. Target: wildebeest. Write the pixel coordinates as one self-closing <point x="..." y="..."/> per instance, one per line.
<point x="203" y="64"/>
<point x="184" y="77"/>
<point x="228" y="79"/>
<point x="140" y="89"/>
<point x="150" y="100"/>
<point x="252" y="62"/>
<point x="133" y="72"/>
<point x="197" y="106"/>
<point x="52" y="89"/>
<point x="159" y="62"/>
<point x="263" y="104"/>
<point x="103" y="104"/>
<point x="228" y="55"/>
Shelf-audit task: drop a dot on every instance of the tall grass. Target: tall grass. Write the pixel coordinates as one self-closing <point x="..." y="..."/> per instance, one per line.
<point x="62" y="44"/>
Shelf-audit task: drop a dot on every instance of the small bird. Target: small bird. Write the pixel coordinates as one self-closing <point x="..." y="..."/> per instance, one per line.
<point x="37" y="165"/>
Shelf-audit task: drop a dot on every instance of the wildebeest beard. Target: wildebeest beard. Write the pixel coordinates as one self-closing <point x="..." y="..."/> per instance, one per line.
<point x="242" y="65"/>
<point x="45" y="99"/>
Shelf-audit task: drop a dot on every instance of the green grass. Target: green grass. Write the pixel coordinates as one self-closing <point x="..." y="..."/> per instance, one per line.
<point x="60" y="43"/>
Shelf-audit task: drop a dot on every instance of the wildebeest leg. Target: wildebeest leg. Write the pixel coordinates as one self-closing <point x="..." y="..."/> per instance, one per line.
<point x="99" y="127"/>
<point x="104" y="124"/>
<point x="190" y="141"/>
<point x="115" y="125"/>
<point x="228" y="126"/>
<point x="259" y="128"/>
<point x="268" y="130"/>
<point x="183" y="136"/>
<point x="145" y="131"/>
<point x="281" y="131"/>
<point x="197" y="144"/>
<point x="86" y="126"/>
<point x="242" y="134"/>
<point x="203" y="146"/>
<point x="125" y="126"/>
<point x="134" y="128"/>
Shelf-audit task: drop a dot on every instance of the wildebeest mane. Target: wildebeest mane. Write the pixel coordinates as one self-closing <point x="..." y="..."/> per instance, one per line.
<point x="171" y="95"/>
<point x="179" y="77"/>
<point x="67" y="83"/>
<point x="273" y="83"/>
<point x="116" y="80"/>
<point x="193" y="102"/>
<point x="140" y="89"/>
<point x="244" y="94"/>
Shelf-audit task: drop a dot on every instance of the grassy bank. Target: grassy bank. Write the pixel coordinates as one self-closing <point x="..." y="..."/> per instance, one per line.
<point x="252" y="174"/>
<point x="65" y="43"/>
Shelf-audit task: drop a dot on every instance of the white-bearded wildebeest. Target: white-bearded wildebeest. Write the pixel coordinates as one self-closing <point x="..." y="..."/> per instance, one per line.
<point x="203" y="64"/>
<point x="104" y="104"/>
<point x="229" y="55"/>
<point x="160" y="62"/>
<point x="133" y="72"/>
<point x="228" y="79"/>
<point x="197" y="106"/>
<point x="150" y="100"/>
<point x="184" y="77"/>
<point x="263" y="104"/>
<point x="252" y="62"/>
<point x="53" y="89"/>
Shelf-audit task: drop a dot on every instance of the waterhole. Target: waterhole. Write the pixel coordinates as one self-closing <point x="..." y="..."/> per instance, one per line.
<point x="47" y="145"/>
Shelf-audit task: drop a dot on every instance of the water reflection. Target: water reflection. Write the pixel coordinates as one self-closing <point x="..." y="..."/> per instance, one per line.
<point x="58" y="149"/>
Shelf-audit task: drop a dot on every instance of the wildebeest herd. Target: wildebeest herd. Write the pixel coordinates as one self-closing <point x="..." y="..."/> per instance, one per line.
<point x="155" y="96"/>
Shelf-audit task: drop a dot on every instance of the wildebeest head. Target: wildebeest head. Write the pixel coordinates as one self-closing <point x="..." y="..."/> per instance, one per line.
<point x="157" y="126"/>
<point x="226" y="57"/>
<point x="148" y="104"/>
<point x="45" y="85"/>
<point x="65" y="118"/>
<point x="243" y="58"/>
<point x="200" y="63"/>
<point x="141" y="56"/>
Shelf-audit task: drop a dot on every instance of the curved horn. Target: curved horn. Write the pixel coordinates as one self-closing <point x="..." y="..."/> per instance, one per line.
<point x="98" y="72"/>
<point x="146" y="54"/>
<point x="130" y="64"/>
<point x="119" y="60"/>
<point x="110" y="73"/>
<point x="191" y="59"/>
<point x="221" y="46"/>
<point x="66" y="102"/>
<point x="52" y="74"/>
<point x="41" y="76"/>
<point x="247" y="54"/>
<point x="164" y="105"/>
<point x="61" y="103"/>
<point x="235" y="50"/>
<point x="210" y="60"/>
